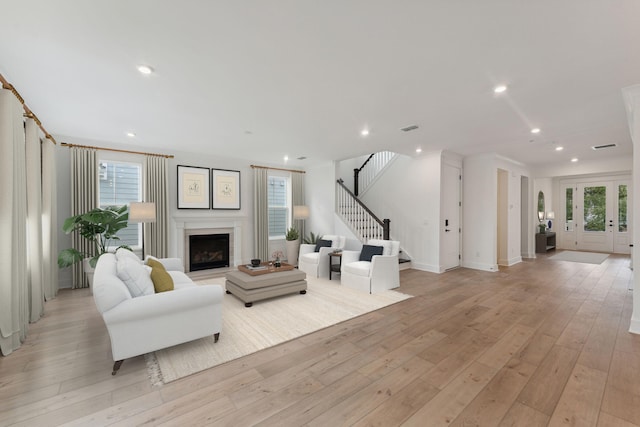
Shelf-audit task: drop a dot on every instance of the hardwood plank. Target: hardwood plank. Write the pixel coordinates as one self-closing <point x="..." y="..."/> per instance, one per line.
<point x="523" y="416"/>
<point x="354" y="407"/>
<point x="545" y="387"/>
<point x="606" y="420"/>
<point x="399" y="407"/>
<point x="453" y="399"/>
<point x="495" y="400"/>
<point x="579" y="404"/>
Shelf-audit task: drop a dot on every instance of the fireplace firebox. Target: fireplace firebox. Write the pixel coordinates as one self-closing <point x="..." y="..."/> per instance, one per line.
<point x="208" y="251"/>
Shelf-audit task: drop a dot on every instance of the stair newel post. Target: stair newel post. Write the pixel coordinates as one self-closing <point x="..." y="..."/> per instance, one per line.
<point x="356" y="175"/>
<point x="386" y="228"/>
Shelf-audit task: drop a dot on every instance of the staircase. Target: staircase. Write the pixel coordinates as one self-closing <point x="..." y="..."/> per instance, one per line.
<point x="366" y="174"/>
<point x="363" y="223"/>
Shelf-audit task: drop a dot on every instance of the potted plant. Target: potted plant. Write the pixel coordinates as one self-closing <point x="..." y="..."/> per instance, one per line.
<point x="312" y="239"/>
<point x="293" y="245"/>
<point x="99" y="226"/>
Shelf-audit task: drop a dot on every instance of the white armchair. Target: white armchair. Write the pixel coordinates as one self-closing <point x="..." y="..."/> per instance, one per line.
<point x="152" y="321"/>
<point x="316" y="264"/>
<point x="379" y="274"/>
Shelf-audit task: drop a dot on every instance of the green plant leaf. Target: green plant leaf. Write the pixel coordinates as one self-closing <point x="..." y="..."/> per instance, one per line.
<point x="68" y="257"/>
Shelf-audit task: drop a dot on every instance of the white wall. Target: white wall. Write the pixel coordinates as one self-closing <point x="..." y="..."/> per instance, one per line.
<point x="320" y="184"/>
<point x="632" y="104"/>
<point x="408" y="193"/>
<point x="480" y="213"/>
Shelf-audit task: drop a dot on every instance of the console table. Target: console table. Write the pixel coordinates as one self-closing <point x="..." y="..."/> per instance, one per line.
<point x="545" y="242"/>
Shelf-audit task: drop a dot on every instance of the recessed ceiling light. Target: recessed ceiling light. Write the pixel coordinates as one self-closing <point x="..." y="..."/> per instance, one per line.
<point x="131" y="134"/>
<point x="559" y="148"/>
<point x="574" y="160"/>
<point x="286" y="158"/>
<point x="418" y="150"/>
<point x="145" y="69"/>
<point x="364" y="132"/>
<point x="500" y="89"/>
<point x="535" y="130"/>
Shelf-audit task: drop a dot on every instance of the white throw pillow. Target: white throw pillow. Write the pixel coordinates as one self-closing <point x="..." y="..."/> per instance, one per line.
<point x="135" y="276"/>
<point x="123" y="253"/>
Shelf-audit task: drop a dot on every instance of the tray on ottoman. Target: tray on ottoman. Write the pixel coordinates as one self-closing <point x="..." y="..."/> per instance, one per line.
<point x="250" y="289"/>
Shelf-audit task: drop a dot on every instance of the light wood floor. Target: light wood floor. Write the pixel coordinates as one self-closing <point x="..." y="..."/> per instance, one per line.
<point x="540" y="343"/>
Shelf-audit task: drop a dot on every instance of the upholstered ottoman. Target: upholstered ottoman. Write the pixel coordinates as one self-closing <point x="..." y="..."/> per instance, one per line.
<point x="250" y="289"/>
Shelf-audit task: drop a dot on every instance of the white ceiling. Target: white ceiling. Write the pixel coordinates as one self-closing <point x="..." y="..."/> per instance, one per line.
<point x="264" y="79"/>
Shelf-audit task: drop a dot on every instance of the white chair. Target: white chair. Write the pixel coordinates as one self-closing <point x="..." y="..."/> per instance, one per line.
<point x="379" y="274"/>
<point x="316" y="264"/>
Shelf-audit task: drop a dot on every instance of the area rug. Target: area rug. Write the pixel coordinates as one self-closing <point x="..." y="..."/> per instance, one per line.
<point x="585" y="257"/>
<point x="266" y="324"/>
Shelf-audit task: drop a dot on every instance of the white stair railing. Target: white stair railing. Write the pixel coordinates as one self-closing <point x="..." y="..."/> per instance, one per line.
<point x="370" y="169"/>
<point x="360" y="219"/>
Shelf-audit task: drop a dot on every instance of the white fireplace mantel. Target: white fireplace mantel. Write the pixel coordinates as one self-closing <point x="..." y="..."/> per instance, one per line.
<point x="183" y="223"/>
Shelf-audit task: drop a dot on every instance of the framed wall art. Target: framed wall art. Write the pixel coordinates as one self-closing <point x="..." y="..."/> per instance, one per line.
<point x="225" y="189"/>
<point x="193" y="187"/>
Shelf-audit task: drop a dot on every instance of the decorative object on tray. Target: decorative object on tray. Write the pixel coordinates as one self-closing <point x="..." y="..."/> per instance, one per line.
<point x="255" y="262"/>
<point x="226" y="189"/>
<point x="265" y="268"/>
<point x="193" y="187"/>
<point x="276" y="255"/>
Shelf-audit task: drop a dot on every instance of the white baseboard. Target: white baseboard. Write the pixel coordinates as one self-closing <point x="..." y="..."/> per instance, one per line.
<point x="634" y="327"/>
<point x="425" y="267"/>
<point x="480" y="266"/>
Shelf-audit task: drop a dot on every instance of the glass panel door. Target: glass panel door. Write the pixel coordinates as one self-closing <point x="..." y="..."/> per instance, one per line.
<point x="596" y="213"/>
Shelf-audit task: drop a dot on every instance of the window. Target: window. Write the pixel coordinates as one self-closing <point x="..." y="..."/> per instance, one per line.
<point x="279" y="200"/>
<point x="622" y="208"/>
<point x="569" y="210"/>
<point x="119" y="184"/>
<point x="595" y="208"/>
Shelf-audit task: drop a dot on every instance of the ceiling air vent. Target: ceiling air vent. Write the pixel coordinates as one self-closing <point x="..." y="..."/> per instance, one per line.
<point x="302" y="158"/>
<point x="602" y="147"/>
<point x="409" y="128"/>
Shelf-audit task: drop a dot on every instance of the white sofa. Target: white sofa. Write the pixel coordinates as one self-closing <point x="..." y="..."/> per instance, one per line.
<point x="316" y="264"/>
<point x="142" y="324"/>
<point x="379" y="274"/>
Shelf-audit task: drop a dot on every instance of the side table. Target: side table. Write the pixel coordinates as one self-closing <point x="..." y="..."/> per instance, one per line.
<point x="334" y="268"/>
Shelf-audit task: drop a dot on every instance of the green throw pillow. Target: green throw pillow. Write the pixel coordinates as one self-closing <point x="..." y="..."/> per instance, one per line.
<point x="162" y="280"/>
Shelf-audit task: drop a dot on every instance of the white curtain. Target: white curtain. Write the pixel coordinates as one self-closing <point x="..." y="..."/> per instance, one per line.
<point x="297" y="198"/>
<point x="49" y="222"/>
<point x="260" y="214"/>
<point x="14" y="292"/>
<point x="34" y="219"/>
<point x="156" y="234"/>
<point x="84" y="177"/>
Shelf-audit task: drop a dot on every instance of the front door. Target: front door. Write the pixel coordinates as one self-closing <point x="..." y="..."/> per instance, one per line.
<point x="600" y="216"/>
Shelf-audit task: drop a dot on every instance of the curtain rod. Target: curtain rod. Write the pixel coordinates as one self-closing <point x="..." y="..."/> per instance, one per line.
<point x="168" y="156"/>
<point x="276" y="169"/>
<point x="28" y="112"/>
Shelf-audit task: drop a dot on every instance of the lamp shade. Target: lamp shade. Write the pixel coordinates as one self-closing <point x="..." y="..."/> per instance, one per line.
<point x="541" y="216"/>
<point x="551" y="215"/>
<point x="300" y="212"/>
<point x="142" y="212"/>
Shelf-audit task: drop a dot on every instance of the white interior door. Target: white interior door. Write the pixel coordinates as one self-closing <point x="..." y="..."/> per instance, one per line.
<point x="451" y="217"/>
